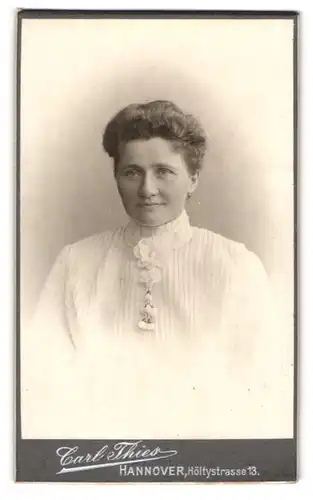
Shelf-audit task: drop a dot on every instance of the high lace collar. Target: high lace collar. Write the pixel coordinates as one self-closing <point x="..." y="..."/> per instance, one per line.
<point x="171" y="235"/>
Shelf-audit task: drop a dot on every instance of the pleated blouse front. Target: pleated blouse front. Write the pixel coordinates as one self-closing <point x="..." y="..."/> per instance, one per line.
<point x="210" y="363"/>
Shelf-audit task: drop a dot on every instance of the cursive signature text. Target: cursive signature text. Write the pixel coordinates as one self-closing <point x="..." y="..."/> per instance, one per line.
<point x="123" y="452"/>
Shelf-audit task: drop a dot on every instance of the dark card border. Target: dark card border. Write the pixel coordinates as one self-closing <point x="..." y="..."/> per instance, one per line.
<point x="275" y="459"/>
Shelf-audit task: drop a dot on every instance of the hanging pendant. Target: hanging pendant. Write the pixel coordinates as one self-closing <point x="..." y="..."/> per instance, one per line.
<point x="148" y="312"/>
<point x="143" y="325"/>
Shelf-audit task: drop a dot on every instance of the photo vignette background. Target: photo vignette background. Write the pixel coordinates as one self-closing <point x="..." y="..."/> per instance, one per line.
<point x="75" y="74"/>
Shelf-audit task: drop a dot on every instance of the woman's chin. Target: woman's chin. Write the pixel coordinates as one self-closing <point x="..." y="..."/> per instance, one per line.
<point x="147" y="217"/>
<point x="149" y="221"/>
<point x="152" y="218"/>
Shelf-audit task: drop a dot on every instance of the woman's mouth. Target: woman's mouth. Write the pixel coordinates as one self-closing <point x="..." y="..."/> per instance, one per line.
<point x="146" y="205"/>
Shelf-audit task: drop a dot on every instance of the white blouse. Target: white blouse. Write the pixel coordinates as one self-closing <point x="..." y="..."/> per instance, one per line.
<point x="211" y="367"/>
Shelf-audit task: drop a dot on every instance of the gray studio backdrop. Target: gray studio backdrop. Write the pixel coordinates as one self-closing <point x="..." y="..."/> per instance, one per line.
<point x="236" y="76"/>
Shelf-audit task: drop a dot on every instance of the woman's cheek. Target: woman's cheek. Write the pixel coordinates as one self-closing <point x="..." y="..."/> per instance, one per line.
<point x="127" y="186"/>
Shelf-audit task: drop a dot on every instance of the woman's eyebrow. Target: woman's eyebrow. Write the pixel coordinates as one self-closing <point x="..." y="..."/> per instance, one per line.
<point x="132" y="165"/>
<point x="139" y="168"/>
<point x="164" y="165"/>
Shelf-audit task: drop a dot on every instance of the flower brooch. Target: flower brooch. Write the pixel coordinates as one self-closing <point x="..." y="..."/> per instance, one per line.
<point x="149" y="275"/>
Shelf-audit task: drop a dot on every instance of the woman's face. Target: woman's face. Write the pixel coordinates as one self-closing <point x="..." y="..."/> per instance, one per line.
<point x="153" y="181"/>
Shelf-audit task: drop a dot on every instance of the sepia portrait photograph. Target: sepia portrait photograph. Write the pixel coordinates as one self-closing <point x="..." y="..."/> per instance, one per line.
<point x="156" y="240"/>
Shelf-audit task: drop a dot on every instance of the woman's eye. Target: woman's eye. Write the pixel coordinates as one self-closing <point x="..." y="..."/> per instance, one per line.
<point x="163" y="171"/>
<point x="130" y="173"/>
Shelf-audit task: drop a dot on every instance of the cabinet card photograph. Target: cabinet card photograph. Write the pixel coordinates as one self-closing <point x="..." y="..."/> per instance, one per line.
<point x="156" y="335"/>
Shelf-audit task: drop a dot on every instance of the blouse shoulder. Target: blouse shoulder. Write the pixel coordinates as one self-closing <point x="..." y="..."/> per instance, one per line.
<point x="230" y="262"/>
<point x="93" y="246"/>
<point x="222" y="250"/>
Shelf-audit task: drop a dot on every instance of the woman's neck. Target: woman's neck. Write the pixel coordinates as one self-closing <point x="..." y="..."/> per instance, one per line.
<point x="177" y="230"/>
<point x="147" y="230"/>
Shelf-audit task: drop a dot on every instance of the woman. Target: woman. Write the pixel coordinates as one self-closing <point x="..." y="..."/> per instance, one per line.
<point x="156" y="329"/>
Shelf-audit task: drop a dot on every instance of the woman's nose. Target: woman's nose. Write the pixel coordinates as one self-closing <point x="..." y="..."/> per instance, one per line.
<point x="148" y="186"/>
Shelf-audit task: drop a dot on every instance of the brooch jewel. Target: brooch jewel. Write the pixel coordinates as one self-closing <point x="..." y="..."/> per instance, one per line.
<point x="149" y="275"/>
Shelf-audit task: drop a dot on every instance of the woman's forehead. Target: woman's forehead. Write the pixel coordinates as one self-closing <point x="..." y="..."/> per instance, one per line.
<point x="149" y="152"/>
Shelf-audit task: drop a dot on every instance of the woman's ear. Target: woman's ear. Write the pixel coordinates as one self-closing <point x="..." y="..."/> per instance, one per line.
<point x="194" y="178"/>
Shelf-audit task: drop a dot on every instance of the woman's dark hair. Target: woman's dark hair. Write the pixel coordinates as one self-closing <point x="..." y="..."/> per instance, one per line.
<point x="157" y="119"/>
